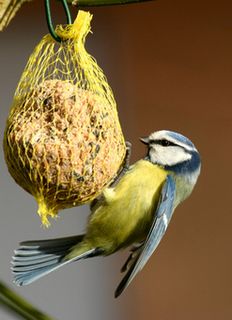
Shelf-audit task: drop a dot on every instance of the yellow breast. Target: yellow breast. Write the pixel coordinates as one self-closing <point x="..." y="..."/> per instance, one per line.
<point x="142" y="181"/>
<point x="126" y="214"/>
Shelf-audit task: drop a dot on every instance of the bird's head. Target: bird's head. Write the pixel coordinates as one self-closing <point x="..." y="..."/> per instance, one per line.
<point x="173" y="151"/>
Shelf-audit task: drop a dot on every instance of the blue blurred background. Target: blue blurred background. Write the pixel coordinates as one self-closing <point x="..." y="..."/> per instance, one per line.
<point x="170" y="66"/>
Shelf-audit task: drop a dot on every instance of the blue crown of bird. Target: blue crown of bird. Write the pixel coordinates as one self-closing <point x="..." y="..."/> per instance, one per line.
<point x="134" y="211"/>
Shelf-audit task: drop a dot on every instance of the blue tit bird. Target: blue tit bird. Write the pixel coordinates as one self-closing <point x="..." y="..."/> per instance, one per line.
<point x="135" y="211"/>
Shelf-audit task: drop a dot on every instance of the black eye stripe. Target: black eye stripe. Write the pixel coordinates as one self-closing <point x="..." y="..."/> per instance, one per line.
<point x="163" y="142"/>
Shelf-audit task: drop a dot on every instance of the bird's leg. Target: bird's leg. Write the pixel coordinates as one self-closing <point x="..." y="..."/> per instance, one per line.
<point x="126" y="162"/>
<point x="134" y="252"/>
<point x="125" y="165"/>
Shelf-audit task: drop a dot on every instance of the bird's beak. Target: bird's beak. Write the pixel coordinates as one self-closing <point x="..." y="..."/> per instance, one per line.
<point x="145" y="140"/>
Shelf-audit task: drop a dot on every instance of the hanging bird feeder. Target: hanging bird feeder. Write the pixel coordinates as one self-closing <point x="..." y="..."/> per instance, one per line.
<point x="63" y="141"/>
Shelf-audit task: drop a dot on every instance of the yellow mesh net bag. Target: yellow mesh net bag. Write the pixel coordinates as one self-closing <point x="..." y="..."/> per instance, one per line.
<point x="63" y="141"/>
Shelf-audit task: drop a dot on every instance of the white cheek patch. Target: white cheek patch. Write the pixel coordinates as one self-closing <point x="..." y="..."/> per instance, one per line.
<point x="168" y="156"/>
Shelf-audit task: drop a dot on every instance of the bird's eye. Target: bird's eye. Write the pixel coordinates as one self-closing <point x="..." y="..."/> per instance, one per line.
<point x="162" y="142"/>
<point x="165" y="143"/>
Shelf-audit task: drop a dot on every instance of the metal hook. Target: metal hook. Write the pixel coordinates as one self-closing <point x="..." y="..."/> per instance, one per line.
<point x="49" y="18"/>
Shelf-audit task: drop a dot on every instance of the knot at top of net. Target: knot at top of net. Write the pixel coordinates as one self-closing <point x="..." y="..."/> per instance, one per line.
<point x="76" y="31"/>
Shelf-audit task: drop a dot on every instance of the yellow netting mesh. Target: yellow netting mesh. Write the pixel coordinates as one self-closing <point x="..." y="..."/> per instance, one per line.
<point x="63" y="141"/>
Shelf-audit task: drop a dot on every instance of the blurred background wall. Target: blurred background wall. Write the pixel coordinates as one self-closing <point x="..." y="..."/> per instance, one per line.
<point x="170" y="66"/>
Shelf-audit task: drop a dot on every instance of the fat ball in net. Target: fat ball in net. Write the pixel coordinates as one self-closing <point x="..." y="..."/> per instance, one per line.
<point x="63" y="142"/>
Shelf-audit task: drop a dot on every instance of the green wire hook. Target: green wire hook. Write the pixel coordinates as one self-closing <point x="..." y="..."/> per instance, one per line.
<point x="49" y="18"/>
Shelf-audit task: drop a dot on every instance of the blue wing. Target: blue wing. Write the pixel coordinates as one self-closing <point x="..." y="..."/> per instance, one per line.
<point x="141" y="254"/>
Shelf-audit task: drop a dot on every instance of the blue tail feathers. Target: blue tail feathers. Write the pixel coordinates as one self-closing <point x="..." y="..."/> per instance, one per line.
<point x="34" y="259"/>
